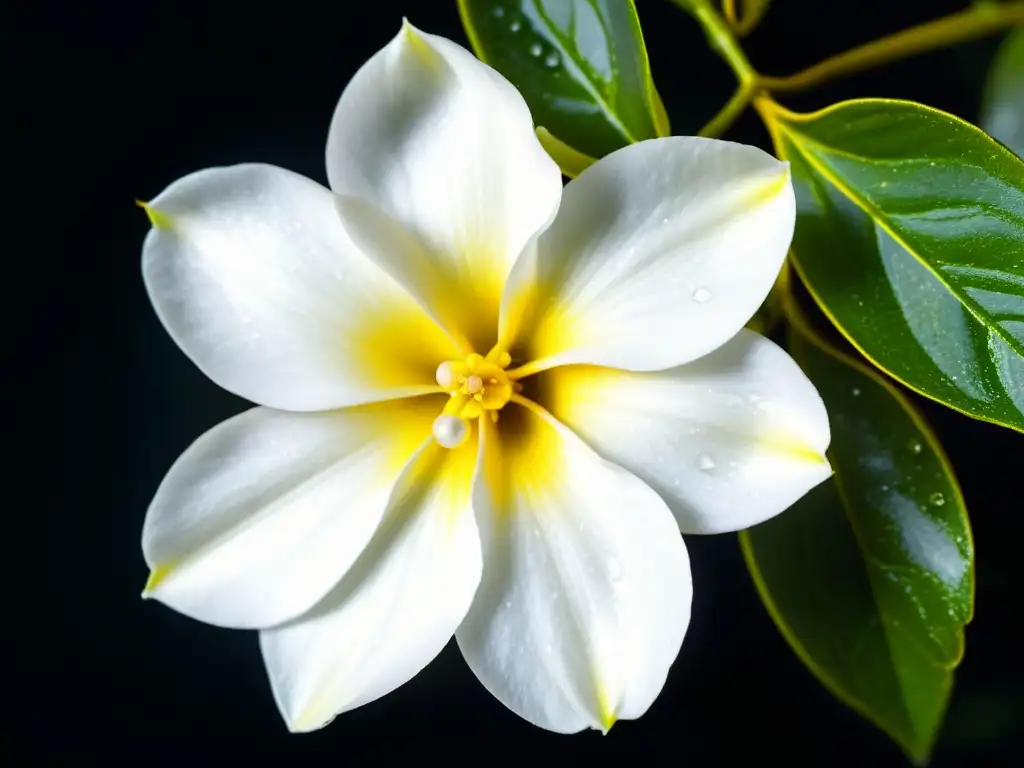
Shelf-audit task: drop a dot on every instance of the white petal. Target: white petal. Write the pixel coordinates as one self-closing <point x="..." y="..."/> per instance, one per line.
<point x="395" y="609"/>
<point x="585" y="595"/>
<point x="660" y="253"/>
<point x="253" y="275"/>
<point x="263" y="514"/>
<point x="729" y="440"/>
<point x="440" y="143"/>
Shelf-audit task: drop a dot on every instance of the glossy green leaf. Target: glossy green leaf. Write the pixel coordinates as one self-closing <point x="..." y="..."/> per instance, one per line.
<point x="581" y="65"/>
<point x="910" y="236"/>
<point x="1002" y="112"/>
<point x="870" y="577"/>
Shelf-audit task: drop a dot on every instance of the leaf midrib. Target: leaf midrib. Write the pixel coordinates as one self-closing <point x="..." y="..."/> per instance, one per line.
<point x="581" y="75"/>
<point x="830" y="175"/>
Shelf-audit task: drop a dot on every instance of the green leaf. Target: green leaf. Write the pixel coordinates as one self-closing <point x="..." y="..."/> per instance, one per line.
<point x="1002" y="112"/>
<point x="870" y="577"/>
<point x="910" y="236"/>
<point x="581" y="65"/>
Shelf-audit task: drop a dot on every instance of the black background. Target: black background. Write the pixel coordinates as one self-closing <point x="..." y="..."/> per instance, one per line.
<point x="114" y="101"/>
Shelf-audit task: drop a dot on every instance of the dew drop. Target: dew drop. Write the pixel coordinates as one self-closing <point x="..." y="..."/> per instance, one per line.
<point x="515" y="26"/>
<point x="915" y="446"/>
<point x="536" y="50"/>
<point x="937" y="499"/>
<point x="705" y="463"/>
<point x="499" y="11"/>
<point x="885" y="489"/>
<point x="552" y="60"/>
<point x="701" y="295"/>
<point x="856" y="391"/>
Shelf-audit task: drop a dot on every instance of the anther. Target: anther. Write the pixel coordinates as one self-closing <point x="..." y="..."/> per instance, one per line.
<point x="450" y="431"/>
<point x="446" y="376"/>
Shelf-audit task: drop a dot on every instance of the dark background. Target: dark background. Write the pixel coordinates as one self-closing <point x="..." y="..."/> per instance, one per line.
<point x="113" y="102"/>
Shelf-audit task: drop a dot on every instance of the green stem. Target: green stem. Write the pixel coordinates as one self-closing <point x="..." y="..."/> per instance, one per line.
<point x="723" y="41"/>
<point x="979" y="20"/>
<point x="733" y="108"/>
<point x="720" y="37"/>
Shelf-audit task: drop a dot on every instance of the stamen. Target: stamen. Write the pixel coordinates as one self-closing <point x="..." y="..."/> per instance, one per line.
<point x="478" y="385"/>
<point x="446" y="376"/>
<point x="450" y="431"/>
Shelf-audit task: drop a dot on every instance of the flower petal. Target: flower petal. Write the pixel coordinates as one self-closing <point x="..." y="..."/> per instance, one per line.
<point x="660" y="253"/>
<point x="255" y="278"/>
<point x="585" y="595"/>
<point x="263" y="514"/>
<point x="428" y="137"/>
<point x="729" y="440"/>
<point x="395" y="609"/>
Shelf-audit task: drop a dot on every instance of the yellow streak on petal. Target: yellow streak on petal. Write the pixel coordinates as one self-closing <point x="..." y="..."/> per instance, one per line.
<point x="157" y="576"/>
<point x="609" y="714"/>
<point x="794" y="447"/>
<point x="523" y="460"/>
<point x="397" y="345"/>
<point x="423" y="50"/>
<point x="770" y="188"/>
<point x="158" y="219"/>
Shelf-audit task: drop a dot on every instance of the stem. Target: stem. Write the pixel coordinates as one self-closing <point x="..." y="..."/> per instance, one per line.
<point x="977" y="21"/>
<point x="731" y="16"/>
<point x="727" y="115"/>
<point x="722" y="40"/>
<point x="720" y="37"/>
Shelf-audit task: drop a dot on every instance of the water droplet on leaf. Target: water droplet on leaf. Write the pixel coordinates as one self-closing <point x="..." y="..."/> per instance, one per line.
<point x="552" y="60"/>
<point x="915" y="446"/>
<point x="536" y="50"/>
<point x="937" y="499"/>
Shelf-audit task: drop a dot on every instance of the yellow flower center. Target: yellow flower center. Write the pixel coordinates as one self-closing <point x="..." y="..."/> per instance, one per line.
<point x="476" y="386"/>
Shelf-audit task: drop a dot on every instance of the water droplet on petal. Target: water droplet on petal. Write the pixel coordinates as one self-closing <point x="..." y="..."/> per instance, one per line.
<point x="705" y="463"/>
<point x="536" y="50"/>
<point x="701" y="295"/>
<point x="937" y="499"/>
<point x="552" y="60"/>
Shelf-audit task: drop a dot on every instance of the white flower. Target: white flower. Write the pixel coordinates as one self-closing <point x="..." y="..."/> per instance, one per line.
<point x="609" y="315"/>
